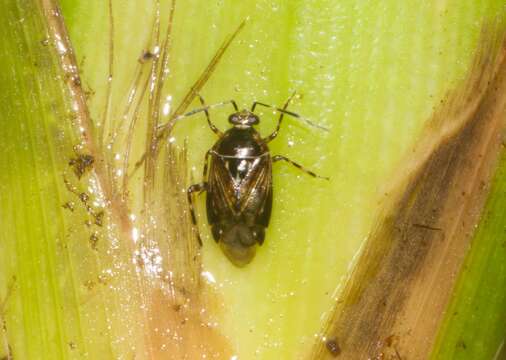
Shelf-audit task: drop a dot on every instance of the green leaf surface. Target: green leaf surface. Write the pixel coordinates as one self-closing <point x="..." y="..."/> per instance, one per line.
<point x="474" y="327"/>
<point x="41" y="310"/>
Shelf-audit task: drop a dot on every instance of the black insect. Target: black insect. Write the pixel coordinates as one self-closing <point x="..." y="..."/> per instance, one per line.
<point x="239" y="182"/>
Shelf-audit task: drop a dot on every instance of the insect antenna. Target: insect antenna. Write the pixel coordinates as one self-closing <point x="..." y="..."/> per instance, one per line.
<point x="295" y="115"/>
<point x="198" y="110"/>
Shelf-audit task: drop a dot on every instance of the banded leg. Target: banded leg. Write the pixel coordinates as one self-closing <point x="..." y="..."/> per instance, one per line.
<point x="300" y="167"/>
<point x="206" y="164"/>
<point x="206" y="111"/>
<point x="195" y="188"/>
<point x="275" y="132"/>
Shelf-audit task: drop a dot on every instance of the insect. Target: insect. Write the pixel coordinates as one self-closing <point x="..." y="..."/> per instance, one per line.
<point x="239" y="181"/>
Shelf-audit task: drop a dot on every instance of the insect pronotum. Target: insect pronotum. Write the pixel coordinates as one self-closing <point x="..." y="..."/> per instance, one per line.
<point x="238" y="181"/>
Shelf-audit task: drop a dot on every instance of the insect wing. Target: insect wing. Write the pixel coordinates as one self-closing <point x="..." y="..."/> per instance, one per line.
<point x="221" y="193"/>
<point x="240" y="195"/>
<point x="256" y="192"/>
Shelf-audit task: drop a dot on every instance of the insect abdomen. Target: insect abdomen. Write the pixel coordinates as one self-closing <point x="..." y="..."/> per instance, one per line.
<point x="238" y="241"/>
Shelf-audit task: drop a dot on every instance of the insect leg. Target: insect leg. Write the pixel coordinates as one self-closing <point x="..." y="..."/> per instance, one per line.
<point x="275" y="132"/>
<point x="211" y="125"/>
<point x="206" y="164"/>
<point x="195" y="188"/>
<point x="300" y="167"/>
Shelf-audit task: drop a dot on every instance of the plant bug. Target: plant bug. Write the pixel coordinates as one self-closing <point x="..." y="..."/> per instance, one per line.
<point x="239" y="181"/>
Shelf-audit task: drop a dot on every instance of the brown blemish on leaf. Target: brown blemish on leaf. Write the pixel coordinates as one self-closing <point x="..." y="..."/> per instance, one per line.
<point x="81" y="164"/>
<point x="333" y="347"/>
<point x="94" y="241"/>
<point x="69" y="205"/>
<point x="99" y="218"/>
<point x="84" y="198"/>
<point x="89" y="284"/>
<point x="403" y="280"/>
